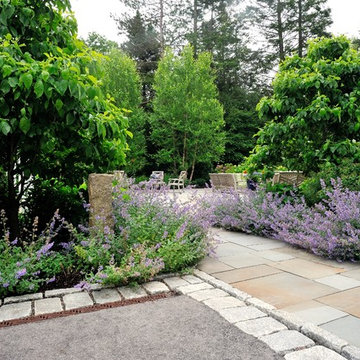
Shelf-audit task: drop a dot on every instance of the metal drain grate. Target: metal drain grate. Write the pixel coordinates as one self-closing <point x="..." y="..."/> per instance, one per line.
<point x="85" y="309"/>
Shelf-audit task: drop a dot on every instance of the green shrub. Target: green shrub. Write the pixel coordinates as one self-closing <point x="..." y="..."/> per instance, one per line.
<point x="348" y="171"/>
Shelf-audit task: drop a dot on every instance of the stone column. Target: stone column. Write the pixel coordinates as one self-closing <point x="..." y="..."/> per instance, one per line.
<point x="100" y="198"/>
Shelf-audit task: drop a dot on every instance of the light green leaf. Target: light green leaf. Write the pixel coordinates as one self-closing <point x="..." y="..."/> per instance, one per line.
<point x="45" y="75"/>
<point x="13" y="81"/>
<point x="27" y="80"/>
<point x="59" y="104"/>
<point x="5" y="86"/>
<point x="92" y="92"/>
<point x="70" y="119"/>
<point x="39" y="88"/>
<point x="5" y="127"/>
<point x="7" y="70"/>
<point x="61" y="86"/>
<point x="25" y="125"/>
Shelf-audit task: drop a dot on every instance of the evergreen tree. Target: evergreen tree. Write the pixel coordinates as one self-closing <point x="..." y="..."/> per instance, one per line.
<point x="143" y="46"/>
<point x="287" y="25"/>
<point x="312" y="18"/>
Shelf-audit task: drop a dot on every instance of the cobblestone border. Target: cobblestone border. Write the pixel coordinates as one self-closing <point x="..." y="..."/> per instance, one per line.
<point x="286" y="334"/>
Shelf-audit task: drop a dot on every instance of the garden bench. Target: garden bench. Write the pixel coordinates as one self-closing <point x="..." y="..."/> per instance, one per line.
<point x="227" y="181"/>
<point x="288" y="177"/>
<point x="179" y="182"/>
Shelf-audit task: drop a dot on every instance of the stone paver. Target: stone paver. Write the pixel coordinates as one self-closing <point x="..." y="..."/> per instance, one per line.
<point x="261" y="327"/>
<point x="105" y="296"/>
<point x="351" y="352"/>
<point x="223" y="303"/>
<point x="274" y="244"/>
<point x="27" y="297"/>
<point x="347" y="327"/>
<point x="275" y="255"/>
<point x="238" y="314"/>
<point x="284" y="289"/>
<point x="15" y="311"/>
<point x="243" y="260"/>
<point x="59" y="292"/>
<point x="228" y="249"/>
<point x="194" y="287"/>
<point x="247" y="273"/>
<point x="175" y="282"/>
<point x="347" y="301"/>
<point x="243" y="239"/>
<point x="47" y="306"/>
<point x="314" y="353"/>
<point x="287" y="340"/>
<point x="206" y="294"/>
<point x="191" y="279"/>
<point x="307" y="269"/>
<point x="354" y="274"/>
<point x="77" y="300"/>
<point x="129" y="292"/>
<point x="315" y="312"/>
<point x="339" y="282"/>
<point x="211" y="266"/>
<point x="155" y="287"/>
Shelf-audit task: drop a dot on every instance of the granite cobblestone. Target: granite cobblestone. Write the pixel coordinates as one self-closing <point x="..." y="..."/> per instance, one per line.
<point x="284" y="333"/>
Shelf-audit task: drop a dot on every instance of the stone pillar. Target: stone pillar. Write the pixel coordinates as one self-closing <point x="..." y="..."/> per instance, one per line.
<point x="100" y="189"/>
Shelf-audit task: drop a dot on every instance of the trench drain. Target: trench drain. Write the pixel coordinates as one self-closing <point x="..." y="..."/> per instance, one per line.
<point x="86" y="309"/>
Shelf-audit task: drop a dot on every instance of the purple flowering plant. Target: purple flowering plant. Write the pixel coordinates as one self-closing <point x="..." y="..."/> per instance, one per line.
<point x="28" y="265"/>
<point x="330" y="229"/>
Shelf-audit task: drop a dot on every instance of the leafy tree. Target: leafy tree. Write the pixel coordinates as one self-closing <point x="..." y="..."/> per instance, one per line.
<point x="122" y="81"/>
<point x="54" y="120"/>
<point x="187" y="126"/>
<point x="100" y="43"/>
<point x="313" y="116"/>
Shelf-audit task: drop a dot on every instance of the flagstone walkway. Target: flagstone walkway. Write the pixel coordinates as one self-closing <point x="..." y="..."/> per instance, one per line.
<point x="324" y="292"/>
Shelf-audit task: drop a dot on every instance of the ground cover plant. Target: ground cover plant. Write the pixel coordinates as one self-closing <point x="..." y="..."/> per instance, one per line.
<point x="330" y="228"/>
<point x="153" y="234"/>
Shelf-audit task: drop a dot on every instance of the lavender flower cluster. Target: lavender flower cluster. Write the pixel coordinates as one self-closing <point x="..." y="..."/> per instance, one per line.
<point x="331" y="228"/>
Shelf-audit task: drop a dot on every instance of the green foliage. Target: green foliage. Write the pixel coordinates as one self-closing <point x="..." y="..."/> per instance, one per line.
<point x="187" y="126"/>
<point x="34" y="266"/>
<point x="143" y="46"/>
<point x="100" y="43"/>
<point x="47" y="196"/>
<point x="241" y="127"/>
<point x="314" y="115"/>
<point x="347" y="170"/>
<point x="41" y="27"/>
<point x="122" y="81"/>
<point x="54" y="119"/>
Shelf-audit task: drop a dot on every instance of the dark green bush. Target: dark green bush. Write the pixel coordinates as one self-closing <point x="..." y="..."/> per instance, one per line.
<point x="46" y="196"/>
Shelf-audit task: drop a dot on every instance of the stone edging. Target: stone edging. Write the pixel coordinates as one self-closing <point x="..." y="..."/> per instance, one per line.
<point x="293" y="323"/>
<point x="286" y="334"/>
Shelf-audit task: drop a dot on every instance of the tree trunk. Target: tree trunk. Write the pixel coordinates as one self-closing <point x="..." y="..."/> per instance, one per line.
<point x="279" y="10"/>
<point x="195" y="27"/>
<point x="192" y="170"/>
<point x="162" y="41"/>
<point x="184" y="151"/>
<point x="12" y="211"/>
<point x="300" y="29"/>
